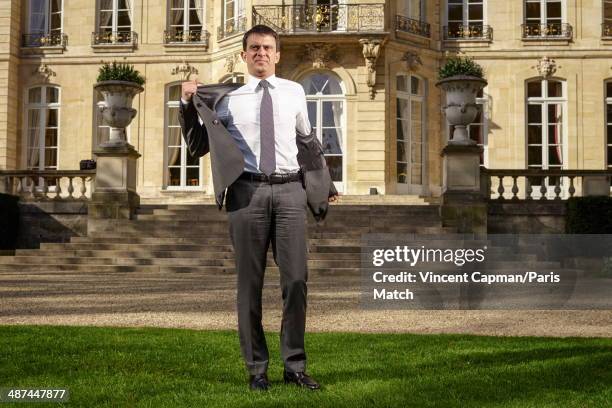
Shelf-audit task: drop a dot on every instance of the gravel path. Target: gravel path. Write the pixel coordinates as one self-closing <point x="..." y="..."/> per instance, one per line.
<point x="198" y="301"/>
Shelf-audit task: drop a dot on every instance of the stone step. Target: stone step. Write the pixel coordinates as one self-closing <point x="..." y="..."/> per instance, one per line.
<point x="194" y="240"/>
<point x="77" y="270"/>
<point x="38" y="261"/>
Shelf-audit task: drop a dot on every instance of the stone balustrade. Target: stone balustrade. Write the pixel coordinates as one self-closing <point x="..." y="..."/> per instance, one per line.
<point x="538" y="184"/>
<point x="47" y="185"/>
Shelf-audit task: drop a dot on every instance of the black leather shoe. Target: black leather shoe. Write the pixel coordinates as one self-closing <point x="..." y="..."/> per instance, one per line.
<point x="301" y="379"/>
<point x="259" y="382"/>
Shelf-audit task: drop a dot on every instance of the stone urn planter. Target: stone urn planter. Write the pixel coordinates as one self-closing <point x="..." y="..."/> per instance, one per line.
<point x="461" y="108"/>
<point x="118" y="111"/>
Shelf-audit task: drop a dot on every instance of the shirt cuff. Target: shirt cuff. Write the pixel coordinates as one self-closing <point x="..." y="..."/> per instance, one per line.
<point x="184" y="102"/>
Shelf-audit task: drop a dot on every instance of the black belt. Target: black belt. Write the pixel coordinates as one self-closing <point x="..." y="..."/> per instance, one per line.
<point x="274" y="178"/>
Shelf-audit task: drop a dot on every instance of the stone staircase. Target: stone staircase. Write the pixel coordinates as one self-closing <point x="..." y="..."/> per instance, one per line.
<point x="194" y="239"/>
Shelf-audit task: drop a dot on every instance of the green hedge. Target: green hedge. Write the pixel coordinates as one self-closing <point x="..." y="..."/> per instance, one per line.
<point x="9" y="221"/>
<point x="589" y="215"/>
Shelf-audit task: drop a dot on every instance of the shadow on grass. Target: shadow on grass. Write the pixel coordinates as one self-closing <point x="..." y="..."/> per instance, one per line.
<point x="184" y="368"/>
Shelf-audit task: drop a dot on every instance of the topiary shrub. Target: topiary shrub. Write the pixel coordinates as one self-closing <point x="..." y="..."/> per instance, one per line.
<point x="589" y="215"/>
<point x="459" y="65"/>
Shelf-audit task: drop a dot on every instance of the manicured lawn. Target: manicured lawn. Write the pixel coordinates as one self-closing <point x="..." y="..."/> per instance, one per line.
<point x="117" y="367"/>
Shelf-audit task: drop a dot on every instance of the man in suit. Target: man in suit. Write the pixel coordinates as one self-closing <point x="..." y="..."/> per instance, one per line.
<point x="263" y="150"/>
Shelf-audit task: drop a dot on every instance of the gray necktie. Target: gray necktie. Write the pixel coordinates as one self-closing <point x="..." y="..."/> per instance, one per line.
<point x="267" y="157"/>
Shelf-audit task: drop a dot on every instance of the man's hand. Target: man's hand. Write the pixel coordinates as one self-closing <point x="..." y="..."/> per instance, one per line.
<point x="333" y="198"/>
<point x="188" y="88"/>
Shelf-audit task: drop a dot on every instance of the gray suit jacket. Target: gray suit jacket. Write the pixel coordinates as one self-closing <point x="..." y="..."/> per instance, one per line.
<point x="226" y="159"/>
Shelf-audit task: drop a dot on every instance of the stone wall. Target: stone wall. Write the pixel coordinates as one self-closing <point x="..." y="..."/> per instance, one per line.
<point x="50" y="222"/>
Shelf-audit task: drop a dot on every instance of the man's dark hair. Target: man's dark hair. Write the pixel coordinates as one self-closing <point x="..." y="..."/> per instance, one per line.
<point x="260" y="29"/>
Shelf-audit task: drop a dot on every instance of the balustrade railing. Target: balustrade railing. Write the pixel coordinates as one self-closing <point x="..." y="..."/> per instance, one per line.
<point x="547" y="31"/>
<point x="180" y="36"/>
<point x="114" y="38"/>
<point x="412" y="26"/>
<point x="45" y="40"/>
<point x="48" y="185"/>
<point x="606" y="30"/>
<point x="536" y="184"/>
<point x="468" y="32"/>
<point x="322" y="18"/>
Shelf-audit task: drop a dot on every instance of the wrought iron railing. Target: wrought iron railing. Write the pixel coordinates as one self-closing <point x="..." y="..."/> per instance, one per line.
<point x="48" y="185"/>
<point x="547" y="31"/>
<point x="322" y="18"/>
<point x="606" y="30"/>
<point x="468" y="32"/>
<point x="231" y="28"/>
<point x="538" y="184"/>
<point x="180" y="36"/>
<point x="114" y="38"/>
<point x="412" y="26"/>
<point x="45" y="40"/>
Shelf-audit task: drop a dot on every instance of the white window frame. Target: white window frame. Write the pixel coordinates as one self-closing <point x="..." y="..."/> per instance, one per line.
<point x="42" y="107"/>
<point x="239" y="12"/>
<point x="544" y="102"/>
<point x="115" y="17"/>
<point x="409" y="187"/>
<point x="465" y="18"/>
<point x="319" y="98"/>
<point x="183" y="146"/>
<point x="543" y="16"/>
<point x="186" y="13"/>
<point x="403" y="9"/>
<point x="47" y="30"/>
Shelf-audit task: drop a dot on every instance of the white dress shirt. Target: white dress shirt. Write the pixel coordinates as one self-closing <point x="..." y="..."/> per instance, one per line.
<point x="239" y="112"/>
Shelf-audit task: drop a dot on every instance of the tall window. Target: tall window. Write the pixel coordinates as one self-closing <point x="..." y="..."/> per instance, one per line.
<point x="44" y="23"/>
<point x="478" y="130"/>
<point x="183" y="171"/>
<point x="326" y="104"/>
<point x="609" y="123"/>
<point x="410" y="118"/>
<point x="607" y="18"/>
<point x="465" y="19"/>
<point x="42" y="127"/>
<point x="545" y="139"/>
<point x="115" y="20"/>
<point x="414" y="9"/>
<point x="544" y="18"/>
<point x="186" y="20"/>
<point x="233" y="15"/>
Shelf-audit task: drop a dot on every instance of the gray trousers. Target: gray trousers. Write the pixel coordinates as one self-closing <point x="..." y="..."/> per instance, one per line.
<point x="261" y="214"/>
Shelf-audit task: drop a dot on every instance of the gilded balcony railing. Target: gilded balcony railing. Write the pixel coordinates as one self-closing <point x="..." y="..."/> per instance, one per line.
<point x="540" y="184"/>
<point x="322" y="18"/>
<point x="606" y="30"/>
<point x="114" y="38"/>
<point x="180" y="36"/>
<point x="412" y="26"/>
<point x="547" y="31"/>
<point x="45" y="40"/>
<point x="48" y="185"/>
<point x="231" y="28"/>
<point x="468" y="32"/>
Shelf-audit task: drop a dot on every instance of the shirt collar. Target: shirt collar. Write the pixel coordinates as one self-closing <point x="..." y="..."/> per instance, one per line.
<point x="254" y="82"/>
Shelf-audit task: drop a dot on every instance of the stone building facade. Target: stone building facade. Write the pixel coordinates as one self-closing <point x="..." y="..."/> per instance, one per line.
<point x="369" y="71"/>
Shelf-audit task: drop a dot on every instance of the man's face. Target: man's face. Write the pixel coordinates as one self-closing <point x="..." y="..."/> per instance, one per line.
<point x="261" y="55"/>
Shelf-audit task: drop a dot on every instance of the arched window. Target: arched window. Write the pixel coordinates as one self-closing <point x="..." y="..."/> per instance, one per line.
<point x="182" y="170"/>
<point x="546" y="104"/>
<point x="410" y="133"/>
<point x="42" y="127"/>
<point x="326" y="107"/>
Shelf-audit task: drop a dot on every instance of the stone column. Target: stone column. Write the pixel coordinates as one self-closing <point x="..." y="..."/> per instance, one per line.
<point x="463" y="205"/>
<point x="114" y="195"/>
